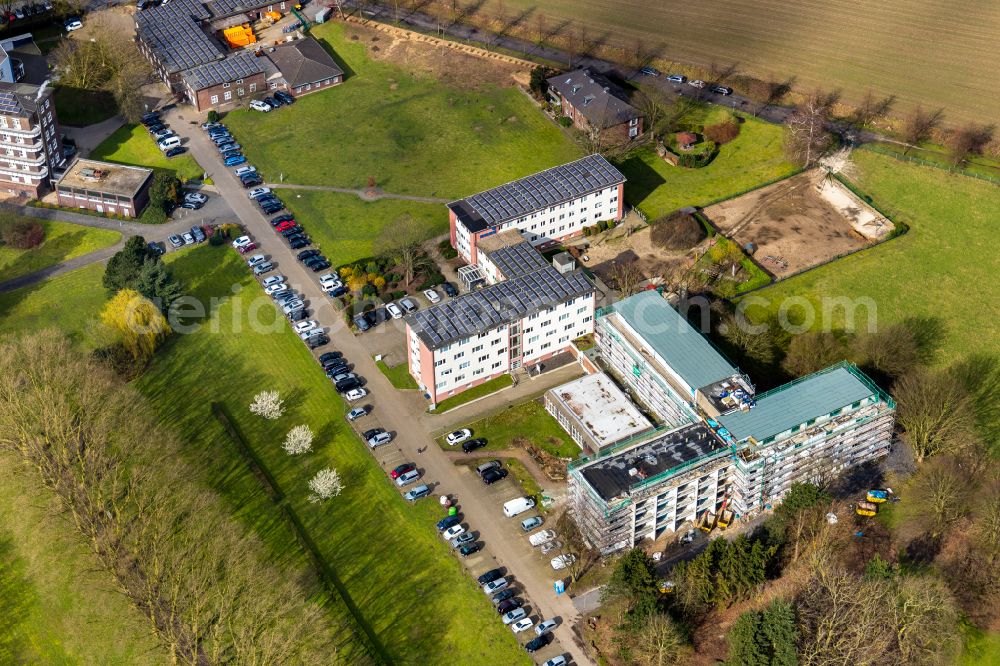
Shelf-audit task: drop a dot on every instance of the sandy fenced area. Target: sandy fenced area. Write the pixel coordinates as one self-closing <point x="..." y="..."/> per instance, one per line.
<point x="799" y="222"/>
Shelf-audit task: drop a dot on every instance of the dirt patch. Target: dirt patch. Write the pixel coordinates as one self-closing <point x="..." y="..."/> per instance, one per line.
<point x="454" y="67"/>
<point x="798" y="223"/>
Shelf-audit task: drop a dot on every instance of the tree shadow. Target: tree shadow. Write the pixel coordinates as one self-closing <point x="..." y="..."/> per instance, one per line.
<point x="928" y="334"/>
<point x="980" y="374"/>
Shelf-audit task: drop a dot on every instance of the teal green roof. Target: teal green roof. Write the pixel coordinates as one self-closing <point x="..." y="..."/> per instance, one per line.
<point x="674" y="340"/>
<point x="795" y="403"/>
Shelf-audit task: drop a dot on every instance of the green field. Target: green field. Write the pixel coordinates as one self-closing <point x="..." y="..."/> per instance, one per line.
<point x="69" y="302"/>
<point x="474" y="393"/>
<point x="132" y="144"/>
<point x="398" y="375"/>
<point x="419" y="603"/>
<point x="941" y="269"/>
<point x="345" y="228"/>
<point x="528" y="420"/>
<point x="56" y="605"/>
<point x="79" y="108"/>
<point x="923" y="51"/>
<point x="63" y="241"/>
<point x="413" y="134"/>
<point x="755" y="157"/>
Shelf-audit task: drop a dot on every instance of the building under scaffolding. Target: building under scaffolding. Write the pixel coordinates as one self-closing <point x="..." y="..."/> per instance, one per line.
<point x="737" y="452"/>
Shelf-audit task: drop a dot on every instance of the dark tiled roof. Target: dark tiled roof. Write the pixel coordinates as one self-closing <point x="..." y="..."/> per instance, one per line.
<point x="237" y="66"/>
<point x="18" y="99"/>
<point x="304" y="61"/>
<point x="174" y="32"/>
<point x="600" y="101"/>
<point x="535" y="192"/>
<point x="501" y="303"/>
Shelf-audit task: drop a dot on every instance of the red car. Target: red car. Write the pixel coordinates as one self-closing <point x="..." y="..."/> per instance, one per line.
<point x="246" y="248"/>
<point x="402" y="469"/>
<point x="284" y="225"/>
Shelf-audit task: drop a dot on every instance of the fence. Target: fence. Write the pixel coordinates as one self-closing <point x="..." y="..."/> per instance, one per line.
<point x="876" y="148"/>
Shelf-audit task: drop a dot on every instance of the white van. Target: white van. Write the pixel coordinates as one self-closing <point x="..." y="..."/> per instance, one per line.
<point x="169" y="142"/>
<point x="518" y="505"/>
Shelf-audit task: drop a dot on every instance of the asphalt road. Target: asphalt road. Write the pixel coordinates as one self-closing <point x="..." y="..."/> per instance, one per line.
<point x="412" y="442"/>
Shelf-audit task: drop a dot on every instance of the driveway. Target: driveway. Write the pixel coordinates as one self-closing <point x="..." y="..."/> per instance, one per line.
<point x="395" y="412"/>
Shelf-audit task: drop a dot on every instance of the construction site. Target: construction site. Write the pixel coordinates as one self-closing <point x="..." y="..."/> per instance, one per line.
<point x="723" y="453"/>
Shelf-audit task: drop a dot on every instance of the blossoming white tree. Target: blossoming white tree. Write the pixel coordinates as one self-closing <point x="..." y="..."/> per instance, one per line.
<point x="325" y="484"/>
<point x="268" y="404"/>
<point x="299" y="440"/>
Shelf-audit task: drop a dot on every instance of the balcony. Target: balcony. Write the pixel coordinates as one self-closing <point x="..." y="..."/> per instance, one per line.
<point x="33" y="161"/>
<point x="5" y="174"/>
<point x="11" y="142"/>
<point x="33" y="132"/>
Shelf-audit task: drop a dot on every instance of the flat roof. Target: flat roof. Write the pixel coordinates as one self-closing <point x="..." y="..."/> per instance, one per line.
<point x="610" y="476"/>
<point x="797" y="402"/>
<point x="673" y="339"/>
<point x="515" y="260"/>
<point x="601" y="408"/>
<point x="105" y="177"/>
<point x="496" y="304"/>
<point x="535" y="192"/>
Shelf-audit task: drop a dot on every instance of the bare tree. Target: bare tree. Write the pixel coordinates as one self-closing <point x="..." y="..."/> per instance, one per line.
<point x="812" y="351"/>
<point x="871" y="109"/>
<point x="969" y="139"/>
<point x="659" y="642"/>
<point x="764" y="93"/>
<point x="758" y="346"/>
<point x="919" y="126"/>
<point x="935" y="412"/>
<point x="401" y="241"/>
<point x="626" y="276"/>
<point x="806" y="138"/>
<point x="892" y="350"/>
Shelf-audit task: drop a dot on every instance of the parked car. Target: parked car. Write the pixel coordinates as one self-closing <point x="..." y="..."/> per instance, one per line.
<point x="252" y="181"/>
<point x="321" y="264"/>
<point x="453" y="532"/>
<point x="562" y="561"/>
<point x="286" y="217"/>
<point x="529" y="524"/>
<point x="450" y="521"/>
<point x="271" y="208"/>
<point x="284" y="97"/>
<point x="649" y="71"/>
<point x="153" y="128"/>
<point x="242" y="171"/>
<point x="355" y="394"/>
<point x="545" y="627"/>
<point x="150" y="118"/>
<point x="305" y="254"/>
<point x="258" y="192"/>
<point x="242" y="240"/>
<point x="508" y="605"/>
<point x="378" y="438"/>
<point x="318" y="341"/>
<point x="175" y="151"/>
<point x="402" y="469"/>
<point x="272" y="289"/>
<point x="163" y="134"/>
<point x="432" y="296"/>
<point x="259" y="269"/>
<point x="188" y="239"/>
<point x="538" y="642"/>
<point x="274" y="279"/>
<point x="462" y="539"/>
<point x="408" y="305"/>
<point x="258" y="105"/>
<point x="550" y="546"/>
<point x="503" y="595"/>
<point x="157" y="247"/>
<point x="514" y="615"/>
<point x="255" y="259"/>
<point x="469" y="549"/>
<point x="450" y="289"/>
<point x="250" y="247"/>
<point x="292" y="231"/>
<point x="176" y="240"/>
<point x="495" y="586"/>
<point x="195" y="196"/>
<point x="473" y="444"/>
<point x="192" y="205"/>
<point x="697" y="83"/>
<point x="235" y="160"/>
<point x="357" y="413"/>
<point x="394" y="310"/>
<point x="281" y="226"/>
<point x="677" y="78"/>
<point x="72" y="24"/>
<point x="362" y="323"/>
<point x="458" y="436"/>
<point x="541" y="536"/>
<point x="522" y="625"/>
<point x="557" y="660"/>
<point x="274" y="104"/>
<point x="423" y="490"/>
<point x="305" y="326"/>
<point x="487" y="466"/>
<point x="489" y="576"/>
<point x="494" y="475"/>
<point x="297" y="242"/>
<point x="406" y="478"/>
<point x="199" y="235"/>
<point x="722" y="90"/>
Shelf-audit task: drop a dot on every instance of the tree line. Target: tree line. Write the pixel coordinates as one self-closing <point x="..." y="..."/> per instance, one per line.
<point x="207" y="586"/>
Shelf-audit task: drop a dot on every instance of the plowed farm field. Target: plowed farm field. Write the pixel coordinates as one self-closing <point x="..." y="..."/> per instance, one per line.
<point x="941" y="54"/>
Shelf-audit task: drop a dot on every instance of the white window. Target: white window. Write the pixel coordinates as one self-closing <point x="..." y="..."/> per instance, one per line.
<point x="477" y="348"/>
<point x="239" y="92"/>
<point x="228" y="95"/>
<point x="463" y="366"/>
<point x="239" y="81"/>
<point x="214" y="99"/>
<point x="274" y="86"/>
<point x="253" y="87"/>
<point x="225" y="85"/>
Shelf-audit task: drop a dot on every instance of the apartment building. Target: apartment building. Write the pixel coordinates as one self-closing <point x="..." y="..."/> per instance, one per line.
<point x="595" y="104"/>
<point x="595" y="412"/>
<point x="528" y="313"/>
<point x="546" y="207"/>
<point x="719" y="445"/>
<point x="30" y="138"/>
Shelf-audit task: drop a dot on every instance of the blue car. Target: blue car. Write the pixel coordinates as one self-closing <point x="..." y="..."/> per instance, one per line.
<point x="235" y="160"/>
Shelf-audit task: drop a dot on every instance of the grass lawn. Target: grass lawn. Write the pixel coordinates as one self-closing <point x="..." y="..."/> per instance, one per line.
<point x="754" y="158"/>
<point x="526" y="481"/>
<point x="131" y="144"/>
<point x="501" y="382"/>
<point x="418" y="601"/>
<point x="56" y="605"/>
<point x="346" y="228"/>
<point x="982" y="648"/>
<point x="944" y="268"/>
<point x="528" y="420"/>
<point x="412" y="133"/>
<point x="63" y="241"/>
<point x="79" y="108"/>
<point x="70" y="302"/>
<point x="398" y="376"/>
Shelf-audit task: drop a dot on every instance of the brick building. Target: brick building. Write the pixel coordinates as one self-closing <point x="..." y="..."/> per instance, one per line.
<point x="594" y="103"/>
<point x="30" y="138"/>
<point x="105" y="187"/>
